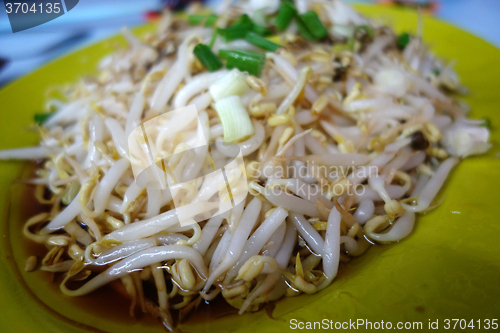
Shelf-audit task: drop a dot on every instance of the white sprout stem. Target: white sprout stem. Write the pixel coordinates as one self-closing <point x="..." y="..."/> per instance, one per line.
<point x="134" y="116"/>
<point x="294" y="93"/>
<point x="220" y="251"/>
<point x="131" y="194"/>
<point x="235" y="216"/>
<point x="173" y="78"/>
<point x="64" y="217"/>
<point x="365" y="211"/>
<point x="149" y="227"/>
<point x="198" y="84"/>
<point x="107" y="184"/>
<point x="193" y="168"/>
<point x="331" y="249"/>
<point x="314" y="146"/>
<point x="414" y="161"/>
<point x="117" y="135"/>
<point x="306" y="230"/>
<point x="274" y="243"/>
<point x="29" y="153"/>
<point x="310" y="192"/>
<point x="171" y="238"/>
<point x="369" y="169"/>
<point x="421" y="182"/>
<point x="62" y="266"/>
<point x="235" y="248"/>
<point x="68" y="113"/>
<point x="377" y="184"/>
<point x="274" y="278"/>
<point x="140" y="260"/>
<point x="96" y="129"/>
<point x="401" y="228"/>
<point x="393" y="191"/>
<point x="292" y="75"/>
<point x="202" y="101"/>
<point x="433" y="186"/>
<point x="292" y="203"/>
<point x="333" y="159"/>
<point x="154" y="202"/>
<point x="258" y="239"/>
<point x="207" y="234"/>
<point x="122" y="251"/>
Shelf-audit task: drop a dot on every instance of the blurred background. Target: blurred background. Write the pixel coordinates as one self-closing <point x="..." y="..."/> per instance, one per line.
<point x="93" y="20"/>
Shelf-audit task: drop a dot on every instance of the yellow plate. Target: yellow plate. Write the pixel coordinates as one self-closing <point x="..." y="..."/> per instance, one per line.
<point x="448" y="268"/>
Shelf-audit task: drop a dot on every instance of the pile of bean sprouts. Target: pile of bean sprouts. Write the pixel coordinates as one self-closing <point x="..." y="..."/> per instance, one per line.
<point x="381" y="117"/>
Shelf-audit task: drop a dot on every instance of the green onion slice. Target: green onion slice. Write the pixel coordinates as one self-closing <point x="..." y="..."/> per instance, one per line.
<point x="245" y="61"/>
<point x="214" y="37"/>
<point x="198" y="19"/>
<point x="41" y="118"/>
<point x="234" y="32"/>
<point x="211" y="19"/>
<point x="303" y="29"/>
<point x="195" y="19"/>
<point x="207" y="57"/>
<point x="286" y="14"/>
<point x="234" y="118"/>
<point x="366" y="28"/>
<point x="313" y="24"/>
<point x="403" y="40"/>
<point x="261" y="42"/>
<point x="232" y="83"/>
<point x="260" y="30"/>
<point x="486" y="122"/>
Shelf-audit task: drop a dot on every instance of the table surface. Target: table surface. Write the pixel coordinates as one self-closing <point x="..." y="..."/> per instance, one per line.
<point x="93" y="20"/>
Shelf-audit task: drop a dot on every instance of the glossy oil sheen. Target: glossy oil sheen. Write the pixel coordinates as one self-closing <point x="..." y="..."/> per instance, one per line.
<point x="447" y="268"/>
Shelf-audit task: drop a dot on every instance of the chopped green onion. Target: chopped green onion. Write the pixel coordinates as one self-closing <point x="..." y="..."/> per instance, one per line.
<point x="247" y="22"/>
<point x="245" y="61"/>
<point x="207" y="57"/>
<point x="303" y="29"/>
<point x="260" y="30"/>
<point x="486" y="122"/>
<point x="223" y="54"/>
<point x="211" y="19"/>
<point x="243" y="20"/>
<point x="234" y="32"/>
<point x="195" y="19"/>
<point x="240" y="27"/>
<point x="436" y="72"/>
<point x="235" y="120"/>
<point x="259" y="41"/>
<point x="286" y="13"/>
<point x="41" y="118"/>
<point x="198" y="19"/>
<point x="233" y="83"/>
<point x="313" y="24"/>
<point x="366" y="28"/>
<point x="214" y="37"/>
<point x="403" y="40"/>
